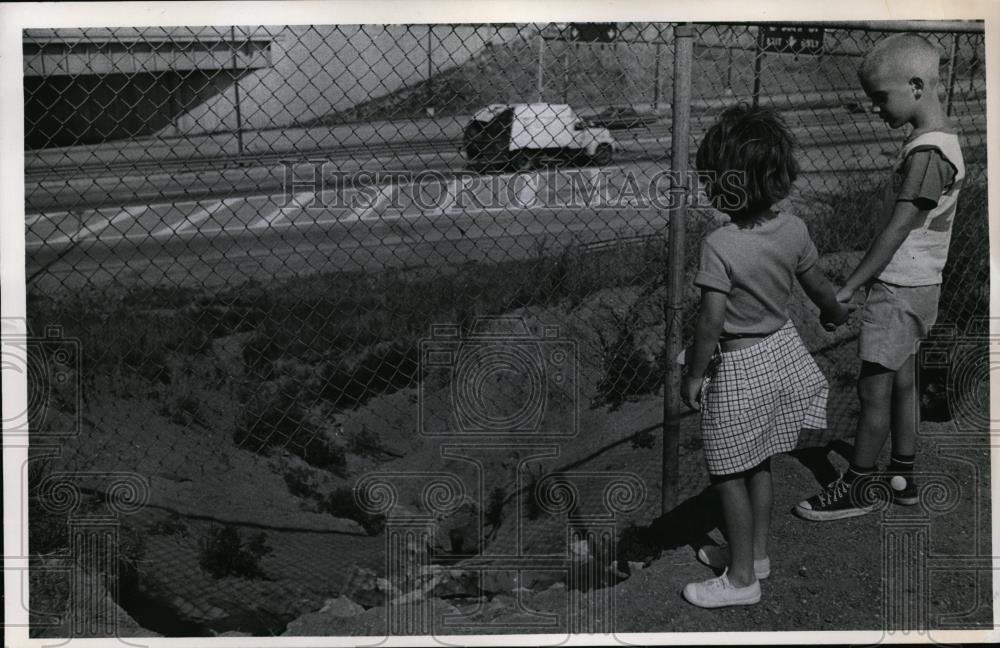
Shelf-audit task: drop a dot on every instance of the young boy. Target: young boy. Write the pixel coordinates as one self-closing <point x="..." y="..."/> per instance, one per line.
<point x="901" y="272"/>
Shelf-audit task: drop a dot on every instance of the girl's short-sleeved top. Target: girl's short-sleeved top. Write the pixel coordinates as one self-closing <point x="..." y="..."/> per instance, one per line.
<point x="756" y="268"/>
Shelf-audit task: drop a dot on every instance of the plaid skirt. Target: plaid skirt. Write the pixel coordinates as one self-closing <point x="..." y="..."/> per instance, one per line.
<point x="757" y="400"/>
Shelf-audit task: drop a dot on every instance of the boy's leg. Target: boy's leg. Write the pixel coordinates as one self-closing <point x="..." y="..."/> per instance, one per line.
<point x="904" y="409"/>
<point x="846" y="497"/>
<point x="875" y="390"/>
<point x="904" y="434"/>
<point x="761" y="501"/>
<point x="921" y="304"/>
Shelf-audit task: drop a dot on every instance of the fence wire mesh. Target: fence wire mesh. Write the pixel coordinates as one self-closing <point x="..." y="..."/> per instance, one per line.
<point x="244" y="236"/>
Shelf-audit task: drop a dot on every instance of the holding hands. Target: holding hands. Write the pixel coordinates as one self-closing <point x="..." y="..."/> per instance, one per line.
<point x="834" y="303"/>
<point x="834" y="317"/>
<point x="844" y="295"/>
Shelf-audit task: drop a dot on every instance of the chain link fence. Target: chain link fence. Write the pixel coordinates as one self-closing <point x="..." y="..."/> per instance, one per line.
<point x="247" y="237"/>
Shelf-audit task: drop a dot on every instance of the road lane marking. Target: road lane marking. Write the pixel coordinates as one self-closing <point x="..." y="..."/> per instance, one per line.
<point x="472" y="213"/>
<point x="530" y="191"/>
<point x="384" y="192"/>
<point x="192" y="220"/>
<point x="456" y="185"/>
<point x="31" y="219"/>
<point x="298" y="202"/>
<point x="450" y="197"/>
<point x="95" y="229"/>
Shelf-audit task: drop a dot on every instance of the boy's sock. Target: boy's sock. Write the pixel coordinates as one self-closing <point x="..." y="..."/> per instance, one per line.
<point x="855" y="471"/>
<point x="901" y="465"/>
<point x="900" y="472"/>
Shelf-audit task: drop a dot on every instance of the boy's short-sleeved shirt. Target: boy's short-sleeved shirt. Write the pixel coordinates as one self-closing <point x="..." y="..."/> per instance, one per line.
<point x="928" y="173"/>
<point x="923" y="177"/>
<point x="756" y="268"/>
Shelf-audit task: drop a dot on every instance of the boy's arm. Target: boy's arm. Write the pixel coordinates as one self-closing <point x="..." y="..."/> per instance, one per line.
<point x="905" y="217"/>
<point x="926" y="175"/>
<point x="711" y="317"/>
<point x="820" y="292"/>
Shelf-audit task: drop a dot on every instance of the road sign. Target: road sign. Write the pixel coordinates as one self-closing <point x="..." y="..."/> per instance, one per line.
<point x="790" y="39"/>
<point x="593" y="32"/>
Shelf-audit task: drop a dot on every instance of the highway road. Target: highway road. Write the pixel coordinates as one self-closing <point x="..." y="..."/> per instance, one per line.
<point x="216" y="235"/>
<point x="113" y="183"/>
<point x="221" y="241"/>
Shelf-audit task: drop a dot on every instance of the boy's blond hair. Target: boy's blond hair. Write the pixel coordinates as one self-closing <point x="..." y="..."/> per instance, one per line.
<point x="903" y="56"/>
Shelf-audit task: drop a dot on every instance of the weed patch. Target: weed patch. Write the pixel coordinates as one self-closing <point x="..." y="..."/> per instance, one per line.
<point x="628" y="370"/>
<point x="341" y="503"/>
<point x="281" y="416"/>
<point x="848" y="220"/>
<point x="532" y="500"/>
<point x="173" y="525"/>
<point x="300" y="482"/>
<point x="224" y="552"/>
<point x="365" y="443"/>
<point x="965" y="288"/>
<point x="182" y="408"/>
<point x="494" y="506"/>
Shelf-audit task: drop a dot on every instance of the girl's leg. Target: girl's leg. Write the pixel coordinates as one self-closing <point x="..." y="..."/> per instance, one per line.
<point x="738" y="517"/>
<point x="761" y="501"/>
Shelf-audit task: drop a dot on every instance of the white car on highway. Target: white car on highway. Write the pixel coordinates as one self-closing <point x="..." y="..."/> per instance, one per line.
<point x="523" y="136"/>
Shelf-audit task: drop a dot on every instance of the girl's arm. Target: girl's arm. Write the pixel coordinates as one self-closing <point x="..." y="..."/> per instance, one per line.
<point x="820" y="292"/>
<point x="711" y="317"/>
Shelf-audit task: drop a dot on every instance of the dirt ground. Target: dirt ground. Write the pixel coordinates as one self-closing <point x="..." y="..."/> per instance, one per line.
<point x="839" y="575"/>
<point x="901" y="567"/>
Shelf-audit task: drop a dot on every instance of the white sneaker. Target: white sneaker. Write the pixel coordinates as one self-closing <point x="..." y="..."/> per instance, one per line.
<point x="717" y="557"/>
<point x="719" y="592"/>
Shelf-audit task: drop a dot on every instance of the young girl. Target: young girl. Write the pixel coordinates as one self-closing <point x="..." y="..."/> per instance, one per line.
<point x="764" y="386"/>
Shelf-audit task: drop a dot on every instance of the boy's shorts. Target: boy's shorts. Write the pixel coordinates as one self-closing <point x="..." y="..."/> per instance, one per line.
<point x="893" y="319"/>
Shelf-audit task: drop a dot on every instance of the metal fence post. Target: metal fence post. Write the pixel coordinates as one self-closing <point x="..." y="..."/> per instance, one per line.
<point x="565" y="71"/>
<point x="541" y="55"/>
<point x="236" y="95"/>
<point x="680" y="127"/>
<point x="430" y="69"/>
<point x="973" y="69"/>
<point x="951" y="71"/>
<point x="729" y="69"/>
<point x="758" y="60"/>
<point x="656" y="79"/>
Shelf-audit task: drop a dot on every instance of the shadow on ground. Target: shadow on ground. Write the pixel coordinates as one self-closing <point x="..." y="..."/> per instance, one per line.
<point x="693" y="520"/>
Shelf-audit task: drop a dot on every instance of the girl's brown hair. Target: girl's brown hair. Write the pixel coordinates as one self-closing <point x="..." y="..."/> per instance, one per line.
<point x="747" y="154"/>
